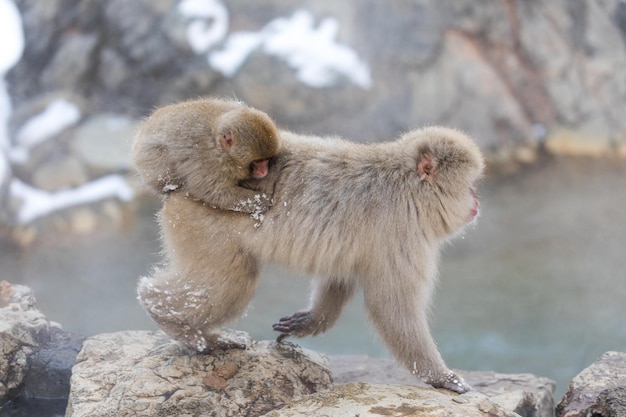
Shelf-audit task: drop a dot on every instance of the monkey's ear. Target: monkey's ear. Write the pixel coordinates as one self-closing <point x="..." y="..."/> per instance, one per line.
<point x="427" y="166"/>
<point x="227" y="140"/>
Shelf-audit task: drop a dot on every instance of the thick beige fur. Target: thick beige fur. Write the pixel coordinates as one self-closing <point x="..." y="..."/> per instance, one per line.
<point x="360" y="216"/>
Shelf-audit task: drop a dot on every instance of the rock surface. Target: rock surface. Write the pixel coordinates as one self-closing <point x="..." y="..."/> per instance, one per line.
<point x="22" y="328"/>
<point x="36" y="356"/>
<point x="598" y="391"/>
<point x="525" y="394"/>
<point x="361" y="399"/>
<point x="146" y="373"/>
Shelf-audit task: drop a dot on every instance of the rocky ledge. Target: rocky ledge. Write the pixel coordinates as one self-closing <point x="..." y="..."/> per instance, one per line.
<point x="143" y="373"/>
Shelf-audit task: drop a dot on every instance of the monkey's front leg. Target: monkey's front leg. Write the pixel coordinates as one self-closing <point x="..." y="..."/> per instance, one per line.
<point x="399" y="314"/>
<point x="328" y="301"/>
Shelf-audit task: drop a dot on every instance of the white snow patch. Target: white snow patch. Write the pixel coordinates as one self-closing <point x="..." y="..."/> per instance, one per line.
<point x="238" y="48"/>
<point x="58" y="116"/>
<point x="169" y="187"/>
<point x="208" y="25"/>
<point x="312" y="51"/>
<point x="37" y="203"/>
<point x="12" y="36"/>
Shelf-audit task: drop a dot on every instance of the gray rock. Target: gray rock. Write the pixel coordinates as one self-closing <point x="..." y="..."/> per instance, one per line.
<point x="103" y="142"/>
<point x="525" y="394"/>
<point x="71" y="62"/>
<point x="22" y="329"/>
<point x="48" y="375"/>
<point x="59" y="172"/>
<point x="611" y="403"/>
<point x="599" y="390"/>
<point x="36" y="356"/>
<point x="146" y="373"/>
<point x="575" y="46"/>
<point x="501" y="119"/>
<point x="360" y="399"/>
<point x="5" y="180"/>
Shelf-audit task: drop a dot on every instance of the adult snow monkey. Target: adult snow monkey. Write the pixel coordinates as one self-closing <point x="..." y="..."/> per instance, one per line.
<point x="368" y="216"/>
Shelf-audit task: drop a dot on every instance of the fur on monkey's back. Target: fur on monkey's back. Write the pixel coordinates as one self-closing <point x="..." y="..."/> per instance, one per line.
<point x="339" y="206"/>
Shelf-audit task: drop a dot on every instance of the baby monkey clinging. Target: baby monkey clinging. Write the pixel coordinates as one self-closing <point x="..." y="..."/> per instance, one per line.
<point x="205" y="148"/>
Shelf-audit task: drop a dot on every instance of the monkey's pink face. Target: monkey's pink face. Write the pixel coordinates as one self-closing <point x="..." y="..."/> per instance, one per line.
<point x="475" y="207"/>
<point x="259" y="168"/>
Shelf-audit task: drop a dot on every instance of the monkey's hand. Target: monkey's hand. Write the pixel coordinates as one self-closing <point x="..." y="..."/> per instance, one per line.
<point x="298" y="324"/>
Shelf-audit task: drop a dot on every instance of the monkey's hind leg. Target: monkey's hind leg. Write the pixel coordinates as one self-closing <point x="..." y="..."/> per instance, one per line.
<point x="191" y="313"/>
<point x="328" y="300"/>
<point x="173" y="304"/>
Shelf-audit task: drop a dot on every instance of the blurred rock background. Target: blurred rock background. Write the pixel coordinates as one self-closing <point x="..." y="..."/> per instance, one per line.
<point x="518" y="75"/>
<point x="507" y="71"/>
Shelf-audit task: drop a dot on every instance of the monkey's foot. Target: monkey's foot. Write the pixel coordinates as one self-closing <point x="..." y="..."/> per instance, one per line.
<point x="226" y="341"/>
<point x="452" y="382"/>
<point x="298" y="324"/>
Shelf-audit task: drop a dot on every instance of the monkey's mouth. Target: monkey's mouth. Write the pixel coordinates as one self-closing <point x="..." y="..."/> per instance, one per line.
<point x="475" y="208"/>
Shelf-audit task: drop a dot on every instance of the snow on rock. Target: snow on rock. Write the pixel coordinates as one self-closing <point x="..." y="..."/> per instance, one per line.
<point x="58" y="116"/>
<point x="236" y="50"/>
<point x="37" y="203"/>
<point x="318" y="59"/>
<point x="208" y="25"/>
<point x="12" y="36"/>
<point x="312" y="51"/>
